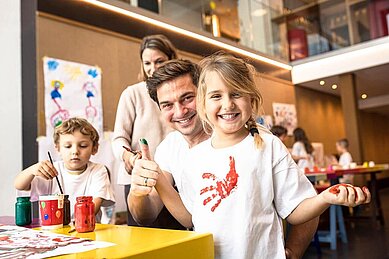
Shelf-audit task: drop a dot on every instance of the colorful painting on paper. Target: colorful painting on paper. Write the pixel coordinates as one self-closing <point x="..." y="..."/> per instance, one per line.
<point x="71" y="90"/>
<point x="286" y="116"/>
<point x="20" y="242"/>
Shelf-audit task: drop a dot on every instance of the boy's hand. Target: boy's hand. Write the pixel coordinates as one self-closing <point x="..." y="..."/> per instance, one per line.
<point x="45" y="169"/>
<point x="145" y="172"/>
<point x="346" y="195"/>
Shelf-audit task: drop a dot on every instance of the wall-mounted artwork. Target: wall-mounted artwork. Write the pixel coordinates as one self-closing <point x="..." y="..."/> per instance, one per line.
<point x="71" y="90"/>
<point x="265" y="120"/>
<point x="286" y="116"/>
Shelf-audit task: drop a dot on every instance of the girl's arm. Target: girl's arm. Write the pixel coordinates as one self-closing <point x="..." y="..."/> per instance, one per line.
<point x="340" y="194"/>
<point x="172" y="201"/>
<point x="43" y="169"/>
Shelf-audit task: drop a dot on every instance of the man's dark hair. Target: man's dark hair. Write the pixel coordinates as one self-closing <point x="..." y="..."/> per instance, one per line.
<point x="171" y="70"/>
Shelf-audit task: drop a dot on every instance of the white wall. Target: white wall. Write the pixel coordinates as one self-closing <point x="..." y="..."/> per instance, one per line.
<point x="10" y="100"/>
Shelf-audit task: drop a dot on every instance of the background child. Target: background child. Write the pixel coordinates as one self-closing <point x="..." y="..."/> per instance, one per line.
<point x="240" y="182"/>
<point x="345" y="160"/>
<point x="302" y="149"/>
<point x="76" y="140"/>
<point x="279" y="131"/>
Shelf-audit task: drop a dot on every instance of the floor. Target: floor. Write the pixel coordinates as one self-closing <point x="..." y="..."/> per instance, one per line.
<point x="364" y="239"/>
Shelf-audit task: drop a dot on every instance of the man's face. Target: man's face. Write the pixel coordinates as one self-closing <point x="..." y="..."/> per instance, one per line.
<point x="177" y="100"/>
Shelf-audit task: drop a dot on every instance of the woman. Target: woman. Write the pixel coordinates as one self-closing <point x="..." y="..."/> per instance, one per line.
<point x="302" y="150"/>
<point x="138" y="116"/>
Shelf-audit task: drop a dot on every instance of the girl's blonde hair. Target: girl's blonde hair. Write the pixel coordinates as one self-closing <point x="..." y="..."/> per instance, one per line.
<point x="238" y="76"/>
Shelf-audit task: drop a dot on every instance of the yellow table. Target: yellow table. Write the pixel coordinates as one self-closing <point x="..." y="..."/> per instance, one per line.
<point x="138" y="242"/>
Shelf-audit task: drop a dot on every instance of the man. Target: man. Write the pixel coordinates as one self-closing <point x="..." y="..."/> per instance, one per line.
<point x="173" y="88"/>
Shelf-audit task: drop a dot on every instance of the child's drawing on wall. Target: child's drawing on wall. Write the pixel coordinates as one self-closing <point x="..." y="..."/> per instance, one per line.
<point x="286" y="116"/>
<point x="71" y="90"/>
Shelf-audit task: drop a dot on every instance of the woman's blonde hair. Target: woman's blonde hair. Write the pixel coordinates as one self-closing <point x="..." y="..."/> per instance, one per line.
<point x="238" y="76"/>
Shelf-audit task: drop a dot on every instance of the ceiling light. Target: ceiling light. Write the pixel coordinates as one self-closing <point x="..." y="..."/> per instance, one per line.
<point x="334" y="86"/>
<point x="363" y="96"/>
<point x="188" y="33"/>
<point x="322" y="82"/>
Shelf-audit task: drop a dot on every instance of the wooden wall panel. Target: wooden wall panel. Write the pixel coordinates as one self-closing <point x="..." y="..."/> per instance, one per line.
<point x="375" y="138"/>
<point x="117" y="56"/>
<point x="321" y="116"/>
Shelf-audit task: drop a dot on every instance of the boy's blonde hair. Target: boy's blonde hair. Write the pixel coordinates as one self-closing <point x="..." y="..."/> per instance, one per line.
<point x="238" y="76"/>
<point x="71" y="125"/>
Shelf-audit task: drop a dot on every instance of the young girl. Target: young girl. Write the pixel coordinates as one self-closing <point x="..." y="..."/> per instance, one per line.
<point x="76" y="140"/>
<point x="302" y="150"/>
<point x="240" y="183"/>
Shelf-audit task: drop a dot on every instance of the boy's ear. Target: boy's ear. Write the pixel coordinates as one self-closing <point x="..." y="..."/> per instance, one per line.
<point x="95" y="149"/>
<point x="57" y="147"/>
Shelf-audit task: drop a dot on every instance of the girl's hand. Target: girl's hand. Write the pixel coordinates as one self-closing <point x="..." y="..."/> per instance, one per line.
<point x="45" y="169"/>
<point x="346" y="195"/>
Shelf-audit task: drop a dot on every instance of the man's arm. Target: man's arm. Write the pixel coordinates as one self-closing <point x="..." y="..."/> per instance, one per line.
<point x="144" y="202"/>
<point x="299" y="237"/>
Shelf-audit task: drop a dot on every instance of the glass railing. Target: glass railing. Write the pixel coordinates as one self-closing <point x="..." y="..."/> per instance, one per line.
<point x="286" y="29"/>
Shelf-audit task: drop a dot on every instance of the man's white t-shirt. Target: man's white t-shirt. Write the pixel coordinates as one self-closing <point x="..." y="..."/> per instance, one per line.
<point x="240" y="194"/>
<point x="171" y="154"/>
<point x="94" y="181"/>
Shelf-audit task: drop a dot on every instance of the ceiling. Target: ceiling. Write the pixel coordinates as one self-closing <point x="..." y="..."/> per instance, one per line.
<point x="368" y="62"/>
<point x="373" y="81"/>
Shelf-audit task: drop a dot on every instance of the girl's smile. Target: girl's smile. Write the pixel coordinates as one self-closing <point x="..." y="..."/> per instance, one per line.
<point x="227" y="110"/>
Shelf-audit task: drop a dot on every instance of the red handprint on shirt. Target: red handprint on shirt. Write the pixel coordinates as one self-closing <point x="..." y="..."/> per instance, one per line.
<point x="222" y="188"/>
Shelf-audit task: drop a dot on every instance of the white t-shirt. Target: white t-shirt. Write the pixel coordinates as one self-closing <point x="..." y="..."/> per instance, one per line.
<point x="240" y="194"/>
<point x="345" y="160"/>
<point x="298" y="149"/>
<point x="171" y="154"/>
<point x="94" y="181"/>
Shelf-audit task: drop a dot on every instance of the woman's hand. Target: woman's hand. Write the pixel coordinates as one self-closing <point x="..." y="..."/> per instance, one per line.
<point x="129" y="158"/>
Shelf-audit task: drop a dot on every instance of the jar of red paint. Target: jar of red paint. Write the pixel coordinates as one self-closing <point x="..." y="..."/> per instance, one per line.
<point x="84" y="214"/>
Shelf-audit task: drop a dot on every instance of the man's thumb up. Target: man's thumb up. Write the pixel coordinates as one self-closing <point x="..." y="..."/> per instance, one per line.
<point x="144" y="148"/>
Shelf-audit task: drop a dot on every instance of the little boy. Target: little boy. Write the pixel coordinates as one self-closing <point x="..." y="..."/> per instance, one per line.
<point x="345" y="160"/>
<point x="76" y="140"/>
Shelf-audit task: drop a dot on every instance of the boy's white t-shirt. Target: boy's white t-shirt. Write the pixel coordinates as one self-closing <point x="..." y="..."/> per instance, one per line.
<point x="94" y="181"/>
<point x="345" y="159"/>
<point x="242" y="202"/>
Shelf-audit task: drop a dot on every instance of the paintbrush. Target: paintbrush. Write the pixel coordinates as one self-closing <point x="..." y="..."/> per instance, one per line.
<point x="56" y="177"/>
